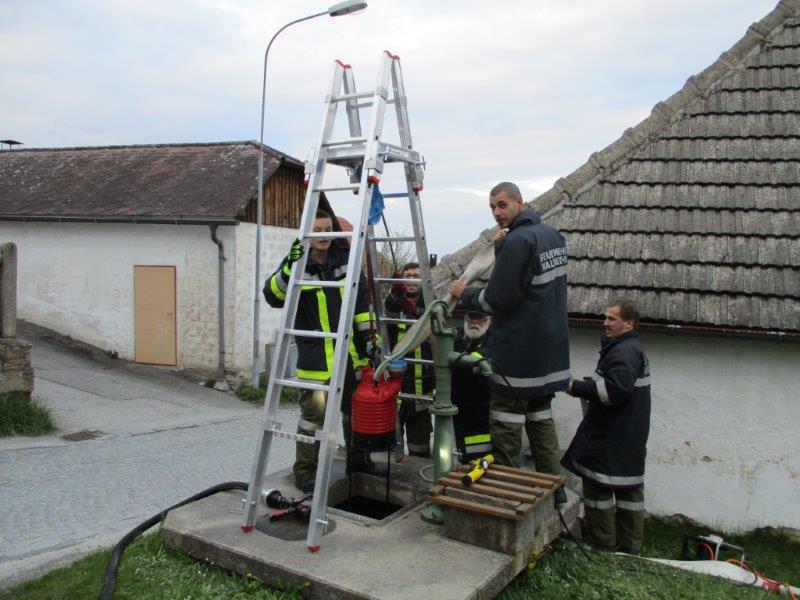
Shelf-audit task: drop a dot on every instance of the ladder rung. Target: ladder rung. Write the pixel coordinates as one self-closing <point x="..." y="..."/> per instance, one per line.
<point x="328" y="234"/>
<point x="396" y="195"/>
<point x="393" y="321"/>
<point x="297" y="437"/>
<point x="355" y="96"/>
<point x="315" y="283"/>
<point x="393" y="239"/>
<point x="345" y="142"/>
<point x="311" y="334"/>
<point x="304" y="384"/>
<point x="418" y="361"/>
<point x="429" y="399"/>
<point x="340" y="188"/>
<point x="393" y="280"/>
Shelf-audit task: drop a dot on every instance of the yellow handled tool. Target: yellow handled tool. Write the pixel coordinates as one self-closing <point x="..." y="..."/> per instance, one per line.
<point x="479" y="467"/>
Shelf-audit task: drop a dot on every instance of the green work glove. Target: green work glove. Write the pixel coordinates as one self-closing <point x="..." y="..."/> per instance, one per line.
<point x="295" y="252"/>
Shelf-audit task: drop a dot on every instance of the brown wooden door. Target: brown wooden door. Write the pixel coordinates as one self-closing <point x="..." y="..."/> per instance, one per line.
<point x="154" y="315"/>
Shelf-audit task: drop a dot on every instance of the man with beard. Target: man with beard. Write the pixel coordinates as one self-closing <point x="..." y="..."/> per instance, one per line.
<point x="406" y="301"/>
<point x="527" y="298"/>
<point x="470" y="390"/>
<point x="610" y="445"/>
<point x="318" y="309"/>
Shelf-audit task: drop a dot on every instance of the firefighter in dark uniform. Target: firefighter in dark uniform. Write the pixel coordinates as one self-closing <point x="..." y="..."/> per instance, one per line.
<point x="318" y="310"/>
<point x="470" y="390"/>
<point x="610" y="445"/>
<point x="406" y="301"/>
<point x="527" y="298"/>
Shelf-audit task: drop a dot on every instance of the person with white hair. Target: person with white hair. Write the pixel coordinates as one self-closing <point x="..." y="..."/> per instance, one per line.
<point x="470" y="390"/>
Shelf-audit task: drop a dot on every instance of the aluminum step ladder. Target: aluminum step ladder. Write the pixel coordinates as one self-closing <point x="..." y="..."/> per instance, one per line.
<point x="364" y="156"/>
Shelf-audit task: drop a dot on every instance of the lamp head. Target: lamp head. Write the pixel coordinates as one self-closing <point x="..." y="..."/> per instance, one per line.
<point x="347" y="7"/>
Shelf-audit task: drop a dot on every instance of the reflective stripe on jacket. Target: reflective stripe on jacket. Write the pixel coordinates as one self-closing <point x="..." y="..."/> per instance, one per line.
<point x="527" y="298"/>
<point x="610" y="445"/>
<point x="318" y="309"/>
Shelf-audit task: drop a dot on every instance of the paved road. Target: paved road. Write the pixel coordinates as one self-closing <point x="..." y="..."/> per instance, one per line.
<point x="164" y="438"/>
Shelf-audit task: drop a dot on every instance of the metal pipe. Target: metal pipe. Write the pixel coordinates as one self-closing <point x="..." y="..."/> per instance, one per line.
<point x="220" y="302"/>
<point x="442" y="409"/>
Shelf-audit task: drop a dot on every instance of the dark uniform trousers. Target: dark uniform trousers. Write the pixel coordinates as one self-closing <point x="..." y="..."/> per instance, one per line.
<point x="312" y="417"/>
<point x="416" y="424"/>
<point x="610" y="526"/>
<point x="508" y="418"/>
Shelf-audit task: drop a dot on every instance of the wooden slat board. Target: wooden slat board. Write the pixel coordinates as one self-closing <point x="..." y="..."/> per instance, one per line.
<point x="528" y="488"/>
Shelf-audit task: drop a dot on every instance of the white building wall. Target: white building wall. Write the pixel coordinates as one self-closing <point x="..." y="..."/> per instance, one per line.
<point x="77" y="279"/>
<point x="724" y="427"/>
<point x="275" y="242"/>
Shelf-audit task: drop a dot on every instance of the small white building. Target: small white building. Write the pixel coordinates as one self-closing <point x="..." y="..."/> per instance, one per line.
<point x="695" y="214"/>
<point x="117" y="245"/>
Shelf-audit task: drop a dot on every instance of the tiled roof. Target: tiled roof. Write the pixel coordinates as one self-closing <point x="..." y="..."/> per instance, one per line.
<point x="695" y="212"/>
<point x="176" y="180"/>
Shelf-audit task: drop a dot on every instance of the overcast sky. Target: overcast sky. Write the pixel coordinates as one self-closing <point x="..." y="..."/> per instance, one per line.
<point x="522" y="91"/>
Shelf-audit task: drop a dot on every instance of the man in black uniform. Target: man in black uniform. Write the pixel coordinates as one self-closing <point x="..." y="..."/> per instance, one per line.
<point x="527" y="298"/>
<point x="610" y="445"/>
<point x="406" y="301"/>
<point x="318" y="310"/>
<point x="470" y="390"/>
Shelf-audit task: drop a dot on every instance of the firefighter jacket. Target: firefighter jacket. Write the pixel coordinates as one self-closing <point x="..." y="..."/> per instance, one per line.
<point x="418" y="379"/>
<point x="527" y="298"/>
<point x="471" y="393"/>
<point x="318" y="310"/>
<point x="610" y="444"/>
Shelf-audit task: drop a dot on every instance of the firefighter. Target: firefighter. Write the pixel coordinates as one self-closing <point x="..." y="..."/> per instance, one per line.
<point x="527" y="298"/>
<point x="318" y="310"/>
<point x="609" y="448"/>
<point x="470" y="390"/>
<point x="406" y="301"/>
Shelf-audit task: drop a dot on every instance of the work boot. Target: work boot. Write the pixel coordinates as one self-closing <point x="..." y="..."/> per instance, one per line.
<point x="305" y="481"/>
<point x="561" y="496"/>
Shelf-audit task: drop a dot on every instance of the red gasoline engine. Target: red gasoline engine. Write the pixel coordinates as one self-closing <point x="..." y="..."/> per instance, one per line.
<point x="374" y="410"/>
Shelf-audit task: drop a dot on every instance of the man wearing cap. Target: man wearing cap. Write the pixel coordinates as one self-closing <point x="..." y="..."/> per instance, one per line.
<point x="527" y="298"/>
<point x="405" y="301"/>
<point x="470" y="390"/>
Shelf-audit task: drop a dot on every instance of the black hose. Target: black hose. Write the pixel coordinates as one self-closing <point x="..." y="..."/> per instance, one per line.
<point x="568" y="533"/>
<point x="110" y="579"/>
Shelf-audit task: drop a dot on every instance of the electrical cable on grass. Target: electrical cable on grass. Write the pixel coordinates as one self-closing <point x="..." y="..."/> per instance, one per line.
<point x="110" y="579"/>
<point x="569" y="533"/>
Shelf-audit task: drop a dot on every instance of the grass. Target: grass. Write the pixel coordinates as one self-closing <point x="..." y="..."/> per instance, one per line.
<point x="255" y="395"/>
<point x="150" y="570"/>
<point x="21" y="415"/>
<point x="565" y="572"/>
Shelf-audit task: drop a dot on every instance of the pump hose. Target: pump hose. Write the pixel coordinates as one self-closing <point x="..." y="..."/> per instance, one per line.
<point x="110" y="579"/>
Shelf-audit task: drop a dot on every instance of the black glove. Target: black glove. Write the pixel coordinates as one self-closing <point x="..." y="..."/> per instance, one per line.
<point x="295" y="252"/>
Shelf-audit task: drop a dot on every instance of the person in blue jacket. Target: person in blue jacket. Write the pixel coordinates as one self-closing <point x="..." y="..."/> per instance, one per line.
<point x="610" y="445"/>
<point x="526" y="296"/>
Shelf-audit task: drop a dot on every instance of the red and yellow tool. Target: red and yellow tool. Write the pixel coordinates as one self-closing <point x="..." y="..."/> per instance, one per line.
<point x="479" y="467"/>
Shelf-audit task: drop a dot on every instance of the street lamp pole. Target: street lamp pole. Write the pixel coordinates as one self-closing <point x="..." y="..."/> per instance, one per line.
<point x="337" y="10"/>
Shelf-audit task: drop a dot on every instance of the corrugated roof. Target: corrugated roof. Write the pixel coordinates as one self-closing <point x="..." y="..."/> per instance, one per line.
<point x="695" y="212"/>
<point x="189" y="180"/>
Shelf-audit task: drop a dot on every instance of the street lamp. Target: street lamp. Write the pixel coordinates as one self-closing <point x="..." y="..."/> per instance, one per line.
<point x="337" y="10"/>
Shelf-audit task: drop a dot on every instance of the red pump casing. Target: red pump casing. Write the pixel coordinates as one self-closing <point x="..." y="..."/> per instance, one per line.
<point x="374" y="412"/>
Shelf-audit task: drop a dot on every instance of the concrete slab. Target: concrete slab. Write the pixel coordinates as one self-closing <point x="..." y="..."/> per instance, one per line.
<point x="399" y="557"/>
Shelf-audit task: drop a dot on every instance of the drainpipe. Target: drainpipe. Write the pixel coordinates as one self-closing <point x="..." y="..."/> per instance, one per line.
<point x="220" y="303"/>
